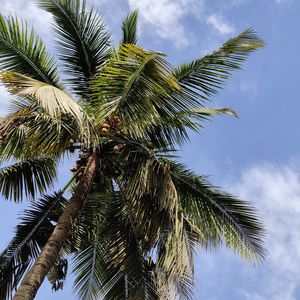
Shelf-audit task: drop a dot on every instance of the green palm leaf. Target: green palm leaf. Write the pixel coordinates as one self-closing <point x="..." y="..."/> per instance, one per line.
<point x="58" y="273"/>
<point x="134" y="86"/>
<point x="12" y="137"/>
<point x="153" y="207"/>
<point x="23" y="52"/>
<point x="88" y="247"/>
<point x="129" y="28"/>
<point x="203" y="77"/>
<point x="82" y="41"/>
<point x="171" y="131"/>
<point x="108" y="251"/>
<point x="205" y="112"/>
<point x="90" y="269"/>
<point x="219" y="216"/>
<point x="128" y="269"/>
<point x="27" y="178"/>
<point x="29" y="132"/>
<point x="30" y="236"/>
<point x="175" y="261"/>
<point x="32" y="131"/>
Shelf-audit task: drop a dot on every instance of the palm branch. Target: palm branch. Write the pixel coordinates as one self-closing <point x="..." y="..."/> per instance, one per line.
<point x="27" y="178"/>
<point x="30" y="236"/>
<point x="129" y="28"/>
<point x="23" y="52"/>
<point x="218" y="215"/>
<point x="81" y="39"/>
<point x="131" y="87"/>
<point x="51" y="99"/>
<point x="203" y="77"/>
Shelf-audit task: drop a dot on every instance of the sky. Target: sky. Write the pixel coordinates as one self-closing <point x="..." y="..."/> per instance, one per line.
<point x="256" y="157"/>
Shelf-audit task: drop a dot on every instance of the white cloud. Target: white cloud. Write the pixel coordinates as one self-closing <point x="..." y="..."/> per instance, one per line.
<point x="40" y="19"/>
<point x="220" y="24"/>
<point x="276" y="192"/>
<point x="250" y="88"/>
<point x="166" y="17"/>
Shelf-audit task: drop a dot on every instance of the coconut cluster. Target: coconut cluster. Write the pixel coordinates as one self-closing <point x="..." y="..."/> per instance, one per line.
<point x="111" y="124"/>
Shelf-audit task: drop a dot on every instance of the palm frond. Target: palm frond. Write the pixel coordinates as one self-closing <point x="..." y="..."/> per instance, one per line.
<point x="90" y="269"/>
<point x="201" y="78"/>
<point x="205" y="112"/>
<point x="30" y="236"/>
<point x="129" y="28"/>
<point x="219" y="216"/>
<point x="12" y="136"/>
<point x="46" y="114"/>
<point x="151" y="203"/>
<point x="81" y="39"/>
<point x="147" y="107"/>
<point x="86" y="244"/>
<point x="128" y="270"/>
<point x="27" y="178"/>
<point x="155" y="210"/>
<point x="31" y="132"/>
<point x="132" y="86"/>
<point x="23" y="52"/>
<point x="175" y="261"/>
<point x="52" y="99"/>
<point x="108" y="256"/>
<point x="172" y="130"/>
<point x="92" y="215"/>
<point x="205" y="215"/>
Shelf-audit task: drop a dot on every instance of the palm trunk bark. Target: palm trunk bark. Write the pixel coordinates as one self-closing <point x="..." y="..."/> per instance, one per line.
<point x="49" y="254"/>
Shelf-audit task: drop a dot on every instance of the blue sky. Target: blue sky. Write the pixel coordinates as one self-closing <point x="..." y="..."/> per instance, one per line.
<point x="256" y="156"/>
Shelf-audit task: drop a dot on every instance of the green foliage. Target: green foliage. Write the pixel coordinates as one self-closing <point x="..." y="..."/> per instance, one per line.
<point x="145" y="214"/>
<point x="27" y="178"/>
<point x="129" y="28"/>
<point x="58" y="273"/>
<point x="23" y="52"/>
<point x="131" y="86"/>
<point x="109" y="252"/>
<point x="82" y="42"/>
<point x="31" y="131"/>
<point x="203" y="77"/>
<point x="30" y="236"/>
<point x="218" y="215"/>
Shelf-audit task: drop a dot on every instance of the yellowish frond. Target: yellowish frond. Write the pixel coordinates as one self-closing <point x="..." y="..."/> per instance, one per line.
<point x="52" y="99"/>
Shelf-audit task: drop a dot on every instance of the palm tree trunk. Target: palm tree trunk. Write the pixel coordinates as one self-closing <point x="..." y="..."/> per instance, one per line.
<point x="49" y="254"/>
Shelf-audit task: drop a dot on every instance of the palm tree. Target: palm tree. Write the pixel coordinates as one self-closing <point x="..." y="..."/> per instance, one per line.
<point x="136" y="215"/>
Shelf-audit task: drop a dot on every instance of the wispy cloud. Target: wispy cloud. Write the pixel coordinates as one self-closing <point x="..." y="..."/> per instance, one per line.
<point x="166" y="17"/>
<point x="283" y="1"/>
<point x="239" y="2"/>
<point x="219" y="23"/>
<point x="275" y="191"/>
<point x="40" y="19"/>
<point x="250" y="88"/>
